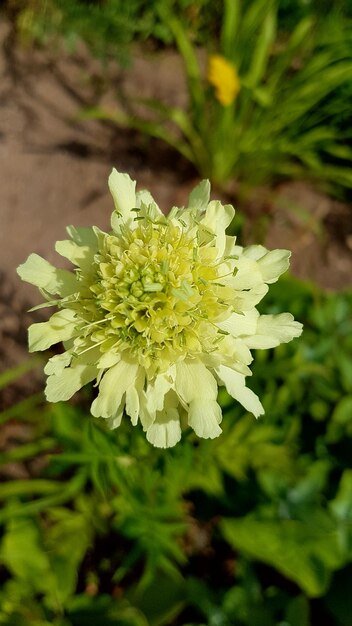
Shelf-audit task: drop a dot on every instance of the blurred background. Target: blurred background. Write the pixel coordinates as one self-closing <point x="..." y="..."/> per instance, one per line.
<point x="254" y="528"/>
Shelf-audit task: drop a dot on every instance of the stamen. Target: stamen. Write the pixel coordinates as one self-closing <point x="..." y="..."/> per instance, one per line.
<point x="95" y="345"/>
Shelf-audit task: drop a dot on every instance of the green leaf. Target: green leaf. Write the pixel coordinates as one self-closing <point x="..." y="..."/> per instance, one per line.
<point x="341" y="508"/>
<point x="344" y="364"/>
<point x="28" y="450"/>
<point x="338" y="598"/>
<point x="230" y="24"/>
<point x="341" y="420"/>
<point x="343" y="411"/>
<point x="15" y="488"/>
<point x="304" y="552"/>
<point x="23" y="554"/>
<point x="342" y="504"/>
<point x="103" y="610"/>
<point x="262" y="49"/>
<point x="189" y="56"/>
<point x="161" y="601"/>
<point x="66" y="493"/>
<point x="67" y="541"/>
<point x="312" y="484"/>
<point x="298" y="612"/>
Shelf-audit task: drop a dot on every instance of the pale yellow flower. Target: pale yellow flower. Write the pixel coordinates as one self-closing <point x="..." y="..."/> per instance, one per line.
<point x="222" y="74"/>
<point x="160" y="311"/>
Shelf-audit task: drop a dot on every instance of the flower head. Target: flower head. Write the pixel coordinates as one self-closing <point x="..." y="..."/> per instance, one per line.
<point x="159" y="311"/>
<point x="223" y="76"/>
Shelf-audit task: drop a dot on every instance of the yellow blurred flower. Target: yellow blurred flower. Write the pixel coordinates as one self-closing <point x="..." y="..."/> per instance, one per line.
<point x="224" y="78"/>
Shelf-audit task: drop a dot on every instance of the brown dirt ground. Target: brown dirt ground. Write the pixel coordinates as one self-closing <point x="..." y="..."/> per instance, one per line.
<point x="54" y="170"/>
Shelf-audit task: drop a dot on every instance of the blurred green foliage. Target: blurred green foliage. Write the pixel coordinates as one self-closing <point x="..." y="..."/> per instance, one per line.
<point x="292" y="117"/>
<point x="289" y="118"/>
<point x="252" y="529"/>
<point x="109" y="27"/>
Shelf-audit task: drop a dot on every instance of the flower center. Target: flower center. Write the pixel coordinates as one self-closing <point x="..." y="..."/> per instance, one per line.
<point x="158" y="294"/>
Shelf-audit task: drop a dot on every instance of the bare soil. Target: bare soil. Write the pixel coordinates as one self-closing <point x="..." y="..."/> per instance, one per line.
<point x="54" y="168"/>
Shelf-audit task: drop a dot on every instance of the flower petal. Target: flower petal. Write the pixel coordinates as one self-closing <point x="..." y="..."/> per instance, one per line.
<point x="41" y="273"/>
<point x="204" y="417"/>
<point x="150" y="212"/>
<point x="235" y="385"/>
<point x="145" y="198"/>
<point x="199" y="197"/>
<point x="240" y="325"/>
<point x="57" y="363"/>
<point x="271" y="263"/>
<point x="132" y="404"/>
<point x="133" y="394"/>
<point x="273" y="330"/>
<point x="248" y="274"/>
<point x="107" y="360"/>
<point x="255" y="252"/>
<point x="60" y="327"/>
<point x="62" y="386"/>
<point x="82" y="256"/>
<point x="156" y="390"/>
<point x="165" y="431"/>
<point x="83" y="236"/>
<point x="217" y="218"/>
<point x="193" y="380"/>
<point x="153" y="398"/>
<point x="123" y="190"/>
<point x="114" y="421"/>
<point x="246" y="300"/>
<point x="234" y="353"/>
<point x="114" y="384"/>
